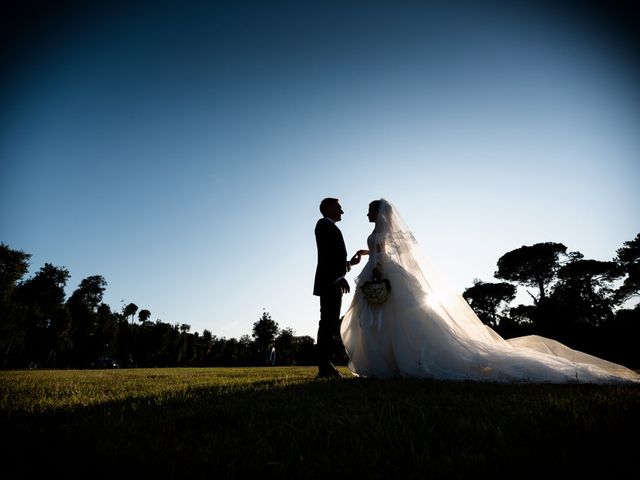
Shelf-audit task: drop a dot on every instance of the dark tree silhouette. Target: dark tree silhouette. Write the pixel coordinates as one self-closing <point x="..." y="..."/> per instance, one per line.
<point x="14" y="264"/>
<point x="89" y="293"/>
<point x="533" y="266"/>
<point x="285" y="344"/>
<point x="47" y="318"/>
<point x="583" y="294"/>
<point x="46" y="288"/>
<point x="248" y="351"/>
<point x="144" y="315"/>
<point x="628" y="260"/>
<point x="130" y="311"/>
<point x="105" y="334"/>
<point x="519" y="322"/>
<point x="305" y="350"/>
<point x="580" y="304"/>
<point x="486" y="299"/>
<point x="264" y="334"/>
<point x="83" y="306"/>
<point x="39" y="327"/>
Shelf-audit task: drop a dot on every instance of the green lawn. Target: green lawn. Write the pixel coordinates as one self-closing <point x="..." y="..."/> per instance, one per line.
<point x="282" y="422"/>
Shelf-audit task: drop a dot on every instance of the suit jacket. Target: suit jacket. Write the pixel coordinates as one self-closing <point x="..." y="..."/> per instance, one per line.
<point x="332" y="257"/>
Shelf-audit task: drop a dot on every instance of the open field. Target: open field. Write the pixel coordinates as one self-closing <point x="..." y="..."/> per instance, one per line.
<point x="282" y="422"/>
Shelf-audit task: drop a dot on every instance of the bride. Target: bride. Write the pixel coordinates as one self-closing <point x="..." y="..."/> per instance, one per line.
<point x="422" y="330"/>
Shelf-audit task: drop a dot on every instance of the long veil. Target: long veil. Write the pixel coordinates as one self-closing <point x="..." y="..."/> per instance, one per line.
<point x="401" y="247"/>
<point x="447" y="336"/>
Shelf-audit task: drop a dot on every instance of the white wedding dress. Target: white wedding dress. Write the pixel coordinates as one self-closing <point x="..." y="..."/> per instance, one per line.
<point x="423" y="330"/>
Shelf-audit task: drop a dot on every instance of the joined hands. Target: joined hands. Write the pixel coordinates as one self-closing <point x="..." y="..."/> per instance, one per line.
<point x="357" y="257"/>
<point x="343" y="285"/>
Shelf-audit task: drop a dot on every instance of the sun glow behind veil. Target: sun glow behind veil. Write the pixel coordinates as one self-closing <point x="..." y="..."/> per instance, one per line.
<point x="401" y="246"/>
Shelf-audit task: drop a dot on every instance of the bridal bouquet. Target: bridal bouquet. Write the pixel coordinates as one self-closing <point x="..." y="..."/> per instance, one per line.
<point x="376" y="291"/>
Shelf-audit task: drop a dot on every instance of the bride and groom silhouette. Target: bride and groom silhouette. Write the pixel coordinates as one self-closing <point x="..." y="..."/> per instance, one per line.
<point x="418" y="328"/>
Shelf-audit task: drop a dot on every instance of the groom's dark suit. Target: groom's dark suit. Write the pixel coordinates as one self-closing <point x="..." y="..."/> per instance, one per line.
<point x="332" y="265"/>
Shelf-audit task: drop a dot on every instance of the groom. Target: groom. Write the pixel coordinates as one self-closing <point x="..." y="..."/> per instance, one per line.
<point x="330" y="283"/>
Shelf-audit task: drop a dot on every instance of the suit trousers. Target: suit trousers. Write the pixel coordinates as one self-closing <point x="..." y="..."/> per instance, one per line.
<point x="330" y="304"/>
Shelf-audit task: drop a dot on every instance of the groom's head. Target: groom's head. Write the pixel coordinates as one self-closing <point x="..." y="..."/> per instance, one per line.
<point x="330" y="208"/>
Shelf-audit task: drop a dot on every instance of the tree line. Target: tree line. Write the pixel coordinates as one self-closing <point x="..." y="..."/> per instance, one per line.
<point x="39" y="327"/>
<point x="580" y="302"/>
<point x="583" y="303"/>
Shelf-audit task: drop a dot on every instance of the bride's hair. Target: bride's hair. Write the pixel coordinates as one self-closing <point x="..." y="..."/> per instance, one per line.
<point x="374" y="207"/>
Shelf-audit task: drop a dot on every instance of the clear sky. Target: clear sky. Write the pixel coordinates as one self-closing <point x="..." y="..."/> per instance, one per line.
<point x="181" y="149"/>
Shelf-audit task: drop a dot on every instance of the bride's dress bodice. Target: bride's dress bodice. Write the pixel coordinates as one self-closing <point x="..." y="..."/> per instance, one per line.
<point x="371" y="241"/>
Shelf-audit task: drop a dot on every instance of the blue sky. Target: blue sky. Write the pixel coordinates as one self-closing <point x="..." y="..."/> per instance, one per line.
<point x="181" y="150"/>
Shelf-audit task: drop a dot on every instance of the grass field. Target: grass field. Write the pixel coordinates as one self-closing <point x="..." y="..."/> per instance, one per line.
<point x="280" y="422"/>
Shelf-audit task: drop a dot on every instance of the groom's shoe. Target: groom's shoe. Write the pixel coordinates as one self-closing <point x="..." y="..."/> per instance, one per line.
<point x="328" y="374"/>
<point x="334" y="371"/>
<point x="328" y="371"/>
